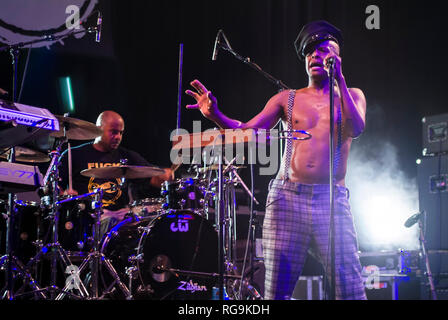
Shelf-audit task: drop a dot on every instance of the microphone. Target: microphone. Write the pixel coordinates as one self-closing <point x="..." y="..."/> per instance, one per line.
<point x="99" y="22"/>
<point x="330" y="62"/>
<point x="413" y="219"/>
<point x="216" y="46"/>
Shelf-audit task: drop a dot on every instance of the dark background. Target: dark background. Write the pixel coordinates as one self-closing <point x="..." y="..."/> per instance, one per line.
<point x="134" y="70"/>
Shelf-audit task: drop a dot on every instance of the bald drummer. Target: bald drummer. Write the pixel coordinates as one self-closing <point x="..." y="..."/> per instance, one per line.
<point x="106" y="151"/>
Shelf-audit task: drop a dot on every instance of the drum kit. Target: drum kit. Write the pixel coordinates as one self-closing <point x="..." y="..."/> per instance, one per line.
<point x="166" y="248"/>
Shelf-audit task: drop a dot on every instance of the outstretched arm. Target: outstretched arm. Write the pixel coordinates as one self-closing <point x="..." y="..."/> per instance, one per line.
<point x="207" y="104"/>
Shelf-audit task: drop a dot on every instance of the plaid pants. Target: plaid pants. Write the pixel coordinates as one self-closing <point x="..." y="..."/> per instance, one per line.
<point x="298" y="217"/>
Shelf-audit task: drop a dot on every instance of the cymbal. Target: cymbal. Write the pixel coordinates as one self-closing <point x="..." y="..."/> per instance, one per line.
<point x="216" y="167"/>
<point x="23" y="154"/>
<point x="76" y="129"/>
<point x="128" y="172"/>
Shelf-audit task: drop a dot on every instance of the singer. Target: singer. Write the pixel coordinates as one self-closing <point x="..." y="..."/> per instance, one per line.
<point x="297" y="214"/>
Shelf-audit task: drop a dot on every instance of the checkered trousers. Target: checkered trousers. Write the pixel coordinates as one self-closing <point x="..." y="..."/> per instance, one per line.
<point x="298" y="217"/>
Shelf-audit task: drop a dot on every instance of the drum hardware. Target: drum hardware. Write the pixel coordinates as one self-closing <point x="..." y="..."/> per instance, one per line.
<point x="233" y="288"/>
<point x="48" y="201"/>
<point x="176" y="272"/>
<point x="184" y="193"/>
<point x="95" y="258"/>
<point x="14" y="267"/>
<point x="30" y="119"/>
<point x="223" y="195"/>
<point x="132" y="272"/>
<point x="54" y="248"/>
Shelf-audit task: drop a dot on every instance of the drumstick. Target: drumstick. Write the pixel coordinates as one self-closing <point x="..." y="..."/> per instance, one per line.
<point x="175" y="166"/>
<point x="70" y="185"/>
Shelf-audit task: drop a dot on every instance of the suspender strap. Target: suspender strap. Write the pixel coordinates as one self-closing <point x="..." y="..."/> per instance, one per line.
<point x="292" y="94"/>
<point x="337" y="156"/>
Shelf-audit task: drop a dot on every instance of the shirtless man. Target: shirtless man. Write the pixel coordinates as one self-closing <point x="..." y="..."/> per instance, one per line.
<point x="106" y="151"/>
<point x="298" y="204"/>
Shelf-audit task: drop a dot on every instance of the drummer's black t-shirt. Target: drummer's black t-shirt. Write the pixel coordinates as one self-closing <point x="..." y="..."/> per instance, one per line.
<point x="86" y="156"/>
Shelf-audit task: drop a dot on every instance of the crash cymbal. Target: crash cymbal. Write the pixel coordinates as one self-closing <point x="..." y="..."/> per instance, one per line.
<point x="77" y="129"/>
<point x="128" y="172"/>
<point x="26" y="155"/>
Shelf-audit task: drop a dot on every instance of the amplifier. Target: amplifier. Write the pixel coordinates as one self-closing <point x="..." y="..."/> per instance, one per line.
<point x="435" y="134"/>
<point x="432" y="177"/>
<point x="438" y="262"/>
<point x="391" y="275"/>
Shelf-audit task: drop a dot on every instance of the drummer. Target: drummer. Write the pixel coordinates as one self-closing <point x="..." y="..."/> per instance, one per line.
<point x="106" y="151"/>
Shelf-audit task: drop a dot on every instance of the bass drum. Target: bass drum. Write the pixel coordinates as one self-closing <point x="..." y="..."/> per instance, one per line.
<point x="181" y="240"/>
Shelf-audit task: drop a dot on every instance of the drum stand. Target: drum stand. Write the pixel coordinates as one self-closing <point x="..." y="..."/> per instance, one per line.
<point x="96" y="258"/>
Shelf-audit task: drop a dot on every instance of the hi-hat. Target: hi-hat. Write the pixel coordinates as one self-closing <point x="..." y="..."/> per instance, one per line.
<point x="23" y="154"/>
<point x="128" y="172"/>
<point x="76" y="129"/>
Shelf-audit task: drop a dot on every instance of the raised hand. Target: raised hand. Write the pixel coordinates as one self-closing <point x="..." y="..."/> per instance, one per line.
<point x="205" y="101"/>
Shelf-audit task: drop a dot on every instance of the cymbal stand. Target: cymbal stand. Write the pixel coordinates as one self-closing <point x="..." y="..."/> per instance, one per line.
<point x="96" y="258"/>
<point x="243" y="282"/>
<point x="226" y="222"/>
<point x="54" y="248"/>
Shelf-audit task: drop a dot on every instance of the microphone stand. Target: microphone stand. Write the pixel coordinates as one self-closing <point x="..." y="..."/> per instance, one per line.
<point x="331" y="233"/>
<point x="281" y="86"/>
<point x="425" y="256"/>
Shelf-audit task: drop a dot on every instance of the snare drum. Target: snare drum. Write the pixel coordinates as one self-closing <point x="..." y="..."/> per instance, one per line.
<point x="146" y="207"/>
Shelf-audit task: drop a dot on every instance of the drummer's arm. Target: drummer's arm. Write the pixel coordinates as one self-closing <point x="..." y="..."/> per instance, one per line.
<point x="156" y="181"/>
<point x="70" y="192"/>
<point x="117" y="214"/>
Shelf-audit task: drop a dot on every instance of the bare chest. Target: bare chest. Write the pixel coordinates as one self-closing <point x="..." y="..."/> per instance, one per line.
<point x="313" y="114"/>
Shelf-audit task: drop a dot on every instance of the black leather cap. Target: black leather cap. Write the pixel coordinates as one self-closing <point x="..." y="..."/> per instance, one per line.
<point x="314" y="33"/>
